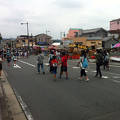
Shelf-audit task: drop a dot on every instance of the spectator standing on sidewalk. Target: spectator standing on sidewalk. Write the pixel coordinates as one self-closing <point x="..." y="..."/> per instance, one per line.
<point x="64" y="65"/>
<point x="40" y="60"/>
<point x="99" y="62"/>
<point x="83" y="65"/>
<point x="0" y="67"/>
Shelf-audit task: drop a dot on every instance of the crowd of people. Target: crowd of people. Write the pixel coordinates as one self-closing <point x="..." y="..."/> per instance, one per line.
<point x="55" y="59"/>
<point x="58" y="58"/>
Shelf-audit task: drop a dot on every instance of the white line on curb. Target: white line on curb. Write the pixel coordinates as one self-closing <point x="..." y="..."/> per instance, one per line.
<point x="24" y="106"/>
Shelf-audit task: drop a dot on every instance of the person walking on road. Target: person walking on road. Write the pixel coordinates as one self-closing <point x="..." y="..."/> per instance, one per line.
<point x="40" y="59"/>
<point x="106" y="60"/>
<point x="8" y="57"/>
<point x="99" y="62"/>
<point x="83" y="65"/>
<point x="64" y="65"/>
<point x="14" y="59"/>
<point x="54" y="64"/>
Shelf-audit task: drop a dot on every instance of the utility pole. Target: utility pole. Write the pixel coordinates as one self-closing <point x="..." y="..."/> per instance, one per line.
<point x="27" y="33"/>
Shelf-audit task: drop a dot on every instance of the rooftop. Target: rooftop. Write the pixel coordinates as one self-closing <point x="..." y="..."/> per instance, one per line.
<point x="75" y="29"/>
<point x="115" y="20"/>
<point x="92" y="30"/>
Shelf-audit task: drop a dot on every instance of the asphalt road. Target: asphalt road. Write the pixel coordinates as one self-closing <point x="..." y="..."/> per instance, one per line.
<point x="72" y="99"/>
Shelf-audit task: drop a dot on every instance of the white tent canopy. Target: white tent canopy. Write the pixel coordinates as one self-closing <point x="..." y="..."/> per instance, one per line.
<point x="56" y="44"/>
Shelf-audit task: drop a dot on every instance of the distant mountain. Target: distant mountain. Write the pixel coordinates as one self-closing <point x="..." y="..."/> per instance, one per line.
<point x="8" y="38"/>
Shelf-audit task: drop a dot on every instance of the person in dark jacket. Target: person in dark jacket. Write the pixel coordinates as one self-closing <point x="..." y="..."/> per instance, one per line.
<point x="99" y="62"/>
<point x="40" y="60"/>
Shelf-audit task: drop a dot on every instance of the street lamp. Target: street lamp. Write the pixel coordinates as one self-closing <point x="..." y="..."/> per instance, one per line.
<point x="27" y="32"/>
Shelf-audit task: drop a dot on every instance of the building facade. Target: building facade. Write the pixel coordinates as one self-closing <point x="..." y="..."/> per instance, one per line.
<point x="97" y="32"/>
<point x="43" y="38"/>
<point x="91" y="42"/>
<point x="24" y="41"/>
<point x="73" y="32"/>
<point x="108" y="42"/>
<point x="115" y="25"/>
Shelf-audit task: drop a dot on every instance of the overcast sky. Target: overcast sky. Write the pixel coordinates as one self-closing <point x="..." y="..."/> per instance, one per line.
<point x="55" y="15"/>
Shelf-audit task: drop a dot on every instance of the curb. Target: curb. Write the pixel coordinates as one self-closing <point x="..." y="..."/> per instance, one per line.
<point x="13" y="109"/>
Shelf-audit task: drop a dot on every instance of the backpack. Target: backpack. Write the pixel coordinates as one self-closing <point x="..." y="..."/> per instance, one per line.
<point x="85" y="63"/>
<point x="40" y="59"/>
<point x="106" y="58"/>
<point x="100" y="59"/>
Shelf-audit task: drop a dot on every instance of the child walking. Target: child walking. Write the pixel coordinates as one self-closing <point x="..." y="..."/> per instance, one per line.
<point x="83" y="65"/>
<point x="54" y="64"/>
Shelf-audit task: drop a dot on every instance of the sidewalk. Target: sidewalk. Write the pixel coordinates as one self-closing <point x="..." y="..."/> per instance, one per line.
<point x="10" y="109"/>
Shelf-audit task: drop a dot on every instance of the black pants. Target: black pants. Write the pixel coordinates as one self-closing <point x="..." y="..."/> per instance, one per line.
<point x="98" y="70"/>
<point x="83" y="73"/>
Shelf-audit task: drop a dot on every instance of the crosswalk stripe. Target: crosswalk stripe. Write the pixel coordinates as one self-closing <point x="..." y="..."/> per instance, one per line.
<point x="16" y="66"/>
<point x="105" y="77"/>
<point x="116" y="81"/>
<point x="27" y="63"/>
<point x="76" y="67"/>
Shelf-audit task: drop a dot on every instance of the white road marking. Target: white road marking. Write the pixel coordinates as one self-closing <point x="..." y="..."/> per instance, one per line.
<point x="115" y="66"/>
<point x="116" y="77"/>
<point x="116" y="81"/>
<point x="27" y="63"/>
<point x="110" y="65"/>
<point x="112" y="73"/>
<point x="76" y="67"/>
<point x="108" y="72"/>
<point x="16" y="66"/>
<point x="46" y="64"/>
<point x="105" y="77"/>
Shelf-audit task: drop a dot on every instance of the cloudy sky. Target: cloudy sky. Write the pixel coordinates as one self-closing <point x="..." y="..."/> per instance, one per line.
<point x="55" y="15"/>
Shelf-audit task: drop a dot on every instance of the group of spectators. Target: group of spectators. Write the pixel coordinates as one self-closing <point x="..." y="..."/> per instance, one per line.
<point x="57" y="58"/>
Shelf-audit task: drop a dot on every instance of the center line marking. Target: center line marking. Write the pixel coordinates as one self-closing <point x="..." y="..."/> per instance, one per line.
<point x="27" y="63"/>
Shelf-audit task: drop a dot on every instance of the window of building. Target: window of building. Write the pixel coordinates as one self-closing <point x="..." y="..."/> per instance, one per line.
<point x="76" y="34"/>
<point x="93" y="42"/>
